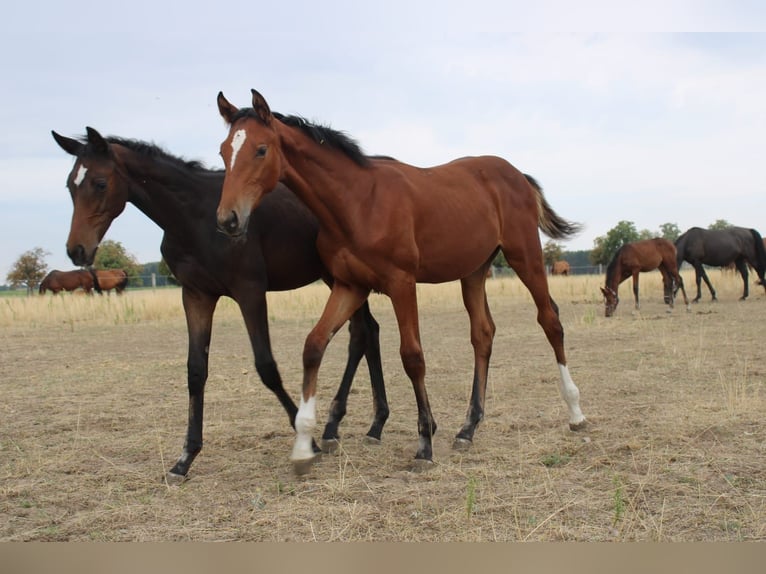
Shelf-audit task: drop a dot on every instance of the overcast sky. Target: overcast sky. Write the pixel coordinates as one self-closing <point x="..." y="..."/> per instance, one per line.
<point x="618" y="114"/>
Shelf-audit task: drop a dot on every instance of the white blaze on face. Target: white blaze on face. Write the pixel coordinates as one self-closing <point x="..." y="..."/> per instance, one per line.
<point x="80" y="177"/>
<point x="237" y="141"/>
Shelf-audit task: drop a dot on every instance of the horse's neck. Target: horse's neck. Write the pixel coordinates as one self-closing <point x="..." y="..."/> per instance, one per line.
<point x="613" y="276"/>
<point x="320" y="178"/>
<point x="169" y="195"/>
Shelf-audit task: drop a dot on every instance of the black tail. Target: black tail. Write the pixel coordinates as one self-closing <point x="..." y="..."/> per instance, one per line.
<point x="680" y="250"/>
<point x="760" y="255"/>
<point x="96" y="285"/>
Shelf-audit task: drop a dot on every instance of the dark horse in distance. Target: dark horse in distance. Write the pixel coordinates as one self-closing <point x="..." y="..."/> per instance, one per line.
<point x="638" y="257"/>
<point x="278" y="253"/>
<point x="57" y="281"/>
<point x="719" y="248"/>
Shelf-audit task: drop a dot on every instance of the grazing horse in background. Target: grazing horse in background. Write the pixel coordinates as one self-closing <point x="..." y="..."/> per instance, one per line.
<point x="278" y="253"/>
<point x="385" y="226"/>
<point x="719" y="248"/>
<point x="639" y="257"/>
<point x="560" y="268"/>
<point x="108" y="279"/>
<point x="57" y="281"/>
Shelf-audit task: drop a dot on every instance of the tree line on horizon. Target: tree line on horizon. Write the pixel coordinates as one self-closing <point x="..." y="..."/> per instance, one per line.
<point x="31" y="267"/>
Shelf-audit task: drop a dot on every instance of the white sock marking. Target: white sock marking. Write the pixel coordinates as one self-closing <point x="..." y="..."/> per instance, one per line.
<point x="571" y="395"/>
<point x="305" y="421"/>
<point x="80" y="177"/>
<point x="237" y="140"/>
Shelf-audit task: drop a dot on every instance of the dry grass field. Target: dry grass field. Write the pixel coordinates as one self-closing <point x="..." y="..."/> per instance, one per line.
<point x="94" y="412"/>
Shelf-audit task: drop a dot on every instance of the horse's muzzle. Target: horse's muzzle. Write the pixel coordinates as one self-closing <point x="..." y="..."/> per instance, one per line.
<point x="231" y="226"/>
<point x="79" y="257"/>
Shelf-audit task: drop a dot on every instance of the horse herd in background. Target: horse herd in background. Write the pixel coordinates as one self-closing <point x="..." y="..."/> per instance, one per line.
<point x="297" y="202"/>
<point x="89" y="280"/>
<point x="699" y="247"/>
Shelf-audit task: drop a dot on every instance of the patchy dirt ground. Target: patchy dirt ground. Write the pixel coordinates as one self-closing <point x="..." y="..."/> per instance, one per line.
<point x="94" y="413"/>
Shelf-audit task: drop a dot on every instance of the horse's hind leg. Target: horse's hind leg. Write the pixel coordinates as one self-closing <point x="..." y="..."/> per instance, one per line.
<point x="635" y="289"/>
<point x="675" y="276"/>
<point x="482" y="335"/>
<point x="530" y="270"/>
<point x="343" y="301"/>
<point x="364" y="340"/>
<point x="742" y="268"/>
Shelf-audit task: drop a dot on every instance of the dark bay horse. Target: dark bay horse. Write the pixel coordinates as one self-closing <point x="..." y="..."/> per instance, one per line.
<point x="57" y="281"/>
<point x="108" y="279"/>
<point x="719" y="248"/>
<point x="385" y="226"/>
<point x="639" y="257"/>
<point x="278" y="253"/>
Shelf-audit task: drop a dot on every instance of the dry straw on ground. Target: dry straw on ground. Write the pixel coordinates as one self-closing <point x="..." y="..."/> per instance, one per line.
<point x="94" y="411"/>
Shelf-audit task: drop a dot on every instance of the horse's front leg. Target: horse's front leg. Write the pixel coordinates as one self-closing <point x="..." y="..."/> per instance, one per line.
<point x="702" y="276"/>
<point x="199" y="309"/>
<point x="254" y="309"/>
<point x="343" y="301"/>
<point x="742" y="268"/>
<point x="403" y="295"/>
<point x="364" y="340"/>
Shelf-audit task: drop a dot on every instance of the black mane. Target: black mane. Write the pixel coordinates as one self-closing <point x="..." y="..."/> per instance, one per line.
<point x="322" y="135"/>
<point x="153" y="151"/>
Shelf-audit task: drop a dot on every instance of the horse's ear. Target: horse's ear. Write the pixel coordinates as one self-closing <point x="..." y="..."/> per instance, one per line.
<point x="226" y="109"/>
<point x="603" y="291"/>
<point x="69" y="145"/>
<point x="97" y="141"/>
<point x="261" y="107"/>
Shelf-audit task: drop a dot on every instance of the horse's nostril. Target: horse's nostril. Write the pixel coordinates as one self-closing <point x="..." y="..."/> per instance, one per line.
<point x="231" y="223"/>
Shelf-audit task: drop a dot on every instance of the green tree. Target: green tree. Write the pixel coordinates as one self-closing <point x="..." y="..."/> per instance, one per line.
<point x="499" y="260"/>
<point x="30" y="268"/>
<point x="670" y="231"/>
<point x="720" y="224"/>
<point x="552" y="252"/>
<point x="112" y="255"/>
<point x="605" y="246"/>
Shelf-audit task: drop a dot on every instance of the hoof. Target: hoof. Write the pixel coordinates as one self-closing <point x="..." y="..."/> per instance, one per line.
<point x="422" y="465"/>
<point x="173" y="479"/>
<point x="578" y="426"/>
<point x="330" y="445"/>
<point x="371" y="440"/>
<point x="303" y="466"/>
<point x="462" y="444"/>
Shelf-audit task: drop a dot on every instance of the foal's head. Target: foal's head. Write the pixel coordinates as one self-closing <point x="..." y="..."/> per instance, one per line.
<point x="611" y="300"/>
<point x="253" y="159"/>
<point x="98" y="193"/>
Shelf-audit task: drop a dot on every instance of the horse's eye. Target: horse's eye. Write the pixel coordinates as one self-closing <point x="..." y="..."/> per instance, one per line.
<point x="261" y="151"/>
<point x="100" y="185"/>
